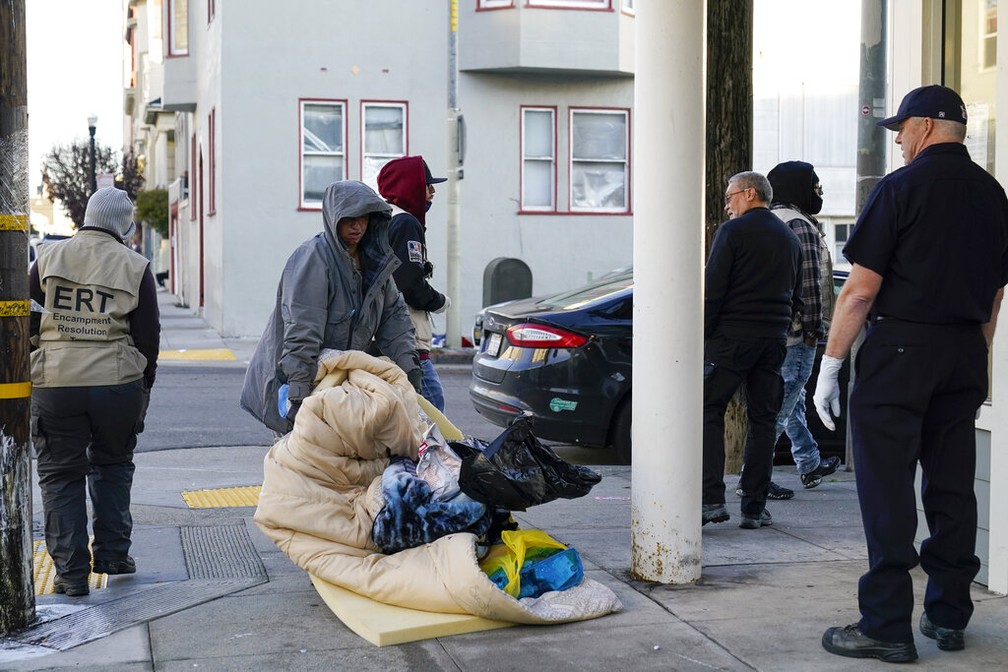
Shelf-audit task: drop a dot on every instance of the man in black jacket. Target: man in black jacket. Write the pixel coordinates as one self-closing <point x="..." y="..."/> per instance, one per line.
<point x="406" y="183"/>
<point x="752" y="293"/>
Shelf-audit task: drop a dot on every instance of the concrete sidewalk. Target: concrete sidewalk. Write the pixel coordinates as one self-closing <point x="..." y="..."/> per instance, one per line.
<point x="213" y="593"/>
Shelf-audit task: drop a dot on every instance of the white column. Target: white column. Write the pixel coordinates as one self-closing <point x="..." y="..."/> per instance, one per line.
<point x="997" y="557"/>
<point x="668" y="192"/>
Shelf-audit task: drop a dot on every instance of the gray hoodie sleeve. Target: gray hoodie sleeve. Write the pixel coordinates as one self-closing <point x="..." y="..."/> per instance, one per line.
<point x="304" y="304"/>
<point x="395" y="335"/>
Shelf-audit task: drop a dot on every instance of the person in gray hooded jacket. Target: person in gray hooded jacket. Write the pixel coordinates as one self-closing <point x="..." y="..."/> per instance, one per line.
<point x="336" y="291"/>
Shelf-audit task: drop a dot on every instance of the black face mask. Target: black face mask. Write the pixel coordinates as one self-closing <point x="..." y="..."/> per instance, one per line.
<point x="427" y="205"/>
<point x="815" y="201"/>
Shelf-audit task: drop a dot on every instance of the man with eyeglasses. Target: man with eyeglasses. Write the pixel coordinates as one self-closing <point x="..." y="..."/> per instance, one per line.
<point x="797" y="198"/>
<point x="929" y="257"/>
<point x="752" y="293"/>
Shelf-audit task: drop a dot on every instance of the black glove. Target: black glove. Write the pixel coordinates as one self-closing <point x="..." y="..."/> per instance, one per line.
<point x="292" y="412"/>
<point x="415" y="377"/>
<point x="428" y="269"/>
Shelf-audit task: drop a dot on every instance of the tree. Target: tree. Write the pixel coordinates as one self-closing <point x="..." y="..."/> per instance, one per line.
<point x="729" y="146"/>
<point x="66" y="171"/>
<point x="152" y="209"/>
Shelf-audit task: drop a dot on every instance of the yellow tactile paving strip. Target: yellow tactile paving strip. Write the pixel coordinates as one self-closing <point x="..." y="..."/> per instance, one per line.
<point x="208" y="354"/>
<point x="246" y="495"/>
<point x="44" y="572"/>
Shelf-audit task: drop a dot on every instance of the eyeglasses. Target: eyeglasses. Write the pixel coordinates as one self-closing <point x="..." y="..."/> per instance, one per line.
<point x="727" y="197"/>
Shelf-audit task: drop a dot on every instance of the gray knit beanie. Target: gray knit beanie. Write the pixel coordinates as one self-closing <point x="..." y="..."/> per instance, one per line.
<point x="110" y="209"/>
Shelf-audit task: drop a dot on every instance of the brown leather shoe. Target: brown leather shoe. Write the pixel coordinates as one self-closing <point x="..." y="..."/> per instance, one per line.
<point x="851" y="642"/>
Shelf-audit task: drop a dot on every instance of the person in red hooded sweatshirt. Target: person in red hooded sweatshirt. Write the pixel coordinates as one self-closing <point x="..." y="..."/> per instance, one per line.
<point x="406" y="183"/>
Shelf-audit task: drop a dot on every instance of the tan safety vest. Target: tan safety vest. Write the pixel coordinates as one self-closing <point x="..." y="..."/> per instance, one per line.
<point x="91" y="284"/>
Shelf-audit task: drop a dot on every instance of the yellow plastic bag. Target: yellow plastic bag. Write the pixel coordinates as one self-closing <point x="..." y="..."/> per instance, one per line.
<point x="509" y="556"/>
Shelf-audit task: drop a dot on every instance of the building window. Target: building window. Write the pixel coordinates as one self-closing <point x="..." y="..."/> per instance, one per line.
<point x="969" y="66"/>
<point x="599" y="146"/>
<point x="212" y="178"/>
<point x="178" y="27"/>
<point x="988" y="35"/>
<point x="494" y="4"/>
<point x="384" y="137"/>
<point x="841" y="231"/>
<point x="211" y="10"/>
<point x="538" y="143"/>
<point x="571" y="4"/>
<point x="628" y="7"/>
<point x="323" y="138"/>
<point x="193" y="178"/>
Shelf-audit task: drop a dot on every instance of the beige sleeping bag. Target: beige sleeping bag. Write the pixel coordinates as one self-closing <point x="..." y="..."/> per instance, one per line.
<point x="322" y="489"/>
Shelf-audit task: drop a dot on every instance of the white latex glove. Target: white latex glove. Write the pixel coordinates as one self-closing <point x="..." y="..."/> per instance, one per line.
<point x="446" y="306"/>
<point x="827" y="391"/>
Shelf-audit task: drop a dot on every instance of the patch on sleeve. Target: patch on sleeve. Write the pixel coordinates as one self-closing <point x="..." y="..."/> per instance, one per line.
<point x="415" y="249"/>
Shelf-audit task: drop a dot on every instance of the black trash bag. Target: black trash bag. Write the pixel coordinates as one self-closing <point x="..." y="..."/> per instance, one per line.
<point x="516" y="471"/>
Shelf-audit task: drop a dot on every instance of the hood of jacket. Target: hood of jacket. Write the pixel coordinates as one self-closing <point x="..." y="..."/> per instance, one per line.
<point x="354" y="199"/>
<point x="793" y="183"/>
<point x="403" y="182"/>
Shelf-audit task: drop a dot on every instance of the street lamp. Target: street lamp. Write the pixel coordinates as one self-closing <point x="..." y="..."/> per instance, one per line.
<point x="91" y="122"/>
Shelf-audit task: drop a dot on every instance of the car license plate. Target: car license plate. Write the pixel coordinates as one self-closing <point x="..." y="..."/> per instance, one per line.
<point x="493" y="345"/>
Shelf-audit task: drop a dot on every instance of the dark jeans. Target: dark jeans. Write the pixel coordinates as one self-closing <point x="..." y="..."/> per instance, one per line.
<point x="86" y="435"/>
<point x="729" y="363"/>
<point x="914" y="401"/>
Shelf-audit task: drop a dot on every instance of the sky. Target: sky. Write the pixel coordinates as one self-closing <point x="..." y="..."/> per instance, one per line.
<point x="75" y="69"/>
<point x="810" y="44"/>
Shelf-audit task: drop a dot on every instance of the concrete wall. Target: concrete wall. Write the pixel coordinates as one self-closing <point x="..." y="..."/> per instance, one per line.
<point x="563" y="250"/>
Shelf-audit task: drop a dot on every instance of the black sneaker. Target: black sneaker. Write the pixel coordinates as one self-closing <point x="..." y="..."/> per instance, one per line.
<point x="713" y="513"/>
<point x="124" y="565"/>
<point x="851" y="642"/>
<point x="825" y="468"/>
<point x="70" y="588"/>
<point x="777" y="492"/>
<point x="949" y="639"/>
<point x="756" y="522"/>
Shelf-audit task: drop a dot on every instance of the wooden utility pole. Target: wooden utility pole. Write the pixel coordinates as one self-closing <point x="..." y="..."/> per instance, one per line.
<point x="17" y="593"/>
<point x="729" y="148"/>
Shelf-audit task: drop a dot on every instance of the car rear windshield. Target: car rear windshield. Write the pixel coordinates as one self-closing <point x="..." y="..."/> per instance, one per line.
<point x="585" y="296"/>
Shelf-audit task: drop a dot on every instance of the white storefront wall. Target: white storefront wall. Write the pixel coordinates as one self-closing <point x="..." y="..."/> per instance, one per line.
<point x="915" y="58"/>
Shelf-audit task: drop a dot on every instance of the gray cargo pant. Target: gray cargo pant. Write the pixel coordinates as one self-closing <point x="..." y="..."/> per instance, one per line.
<point x="86" y="434"/>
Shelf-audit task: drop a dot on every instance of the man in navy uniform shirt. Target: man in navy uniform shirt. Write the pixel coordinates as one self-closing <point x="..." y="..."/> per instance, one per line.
<point x="930" y="260"/>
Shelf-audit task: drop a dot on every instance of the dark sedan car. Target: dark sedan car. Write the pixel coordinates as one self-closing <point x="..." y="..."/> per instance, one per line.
<point x="566" y="360"/>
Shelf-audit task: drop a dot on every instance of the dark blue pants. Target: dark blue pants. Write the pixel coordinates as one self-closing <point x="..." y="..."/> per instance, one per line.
<point x="914" y="400"/>
<point x="86" y="435"/>
<point x="728" y="363"/>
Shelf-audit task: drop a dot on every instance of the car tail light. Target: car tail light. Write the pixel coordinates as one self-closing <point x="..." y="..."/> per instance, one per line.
<point x="539" y="336"/>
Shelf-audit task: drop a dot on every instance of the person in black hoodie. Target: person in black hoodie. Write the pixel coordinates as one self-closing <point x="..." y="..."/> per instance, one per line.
<point x="407" y="184"/>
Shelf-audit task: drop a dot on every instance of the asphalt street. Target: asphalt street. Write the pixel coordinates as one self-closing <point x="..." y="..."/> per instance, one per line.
<point x="195" y="405"/>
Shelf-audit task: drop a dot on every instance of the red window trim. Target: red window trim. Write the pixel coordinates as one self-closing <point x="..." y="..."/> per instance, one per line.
<point x="521" y="158"/>
<point x="360" y="130"/>
<point x="629" y="158"/>
<point x="301" y="206"/>
<point x="529" y="5"/>
<point x="192" y="178"/>
<point x="169" y="33"/>
<point x="212" y="178"/>
<point x="480" y="8"/>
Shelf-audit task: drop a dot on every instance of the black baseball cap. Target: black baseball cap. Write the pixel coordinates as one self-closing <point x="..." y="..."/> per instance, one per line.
<point x="431" y="179"/>
<point x="934" y="101"/>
